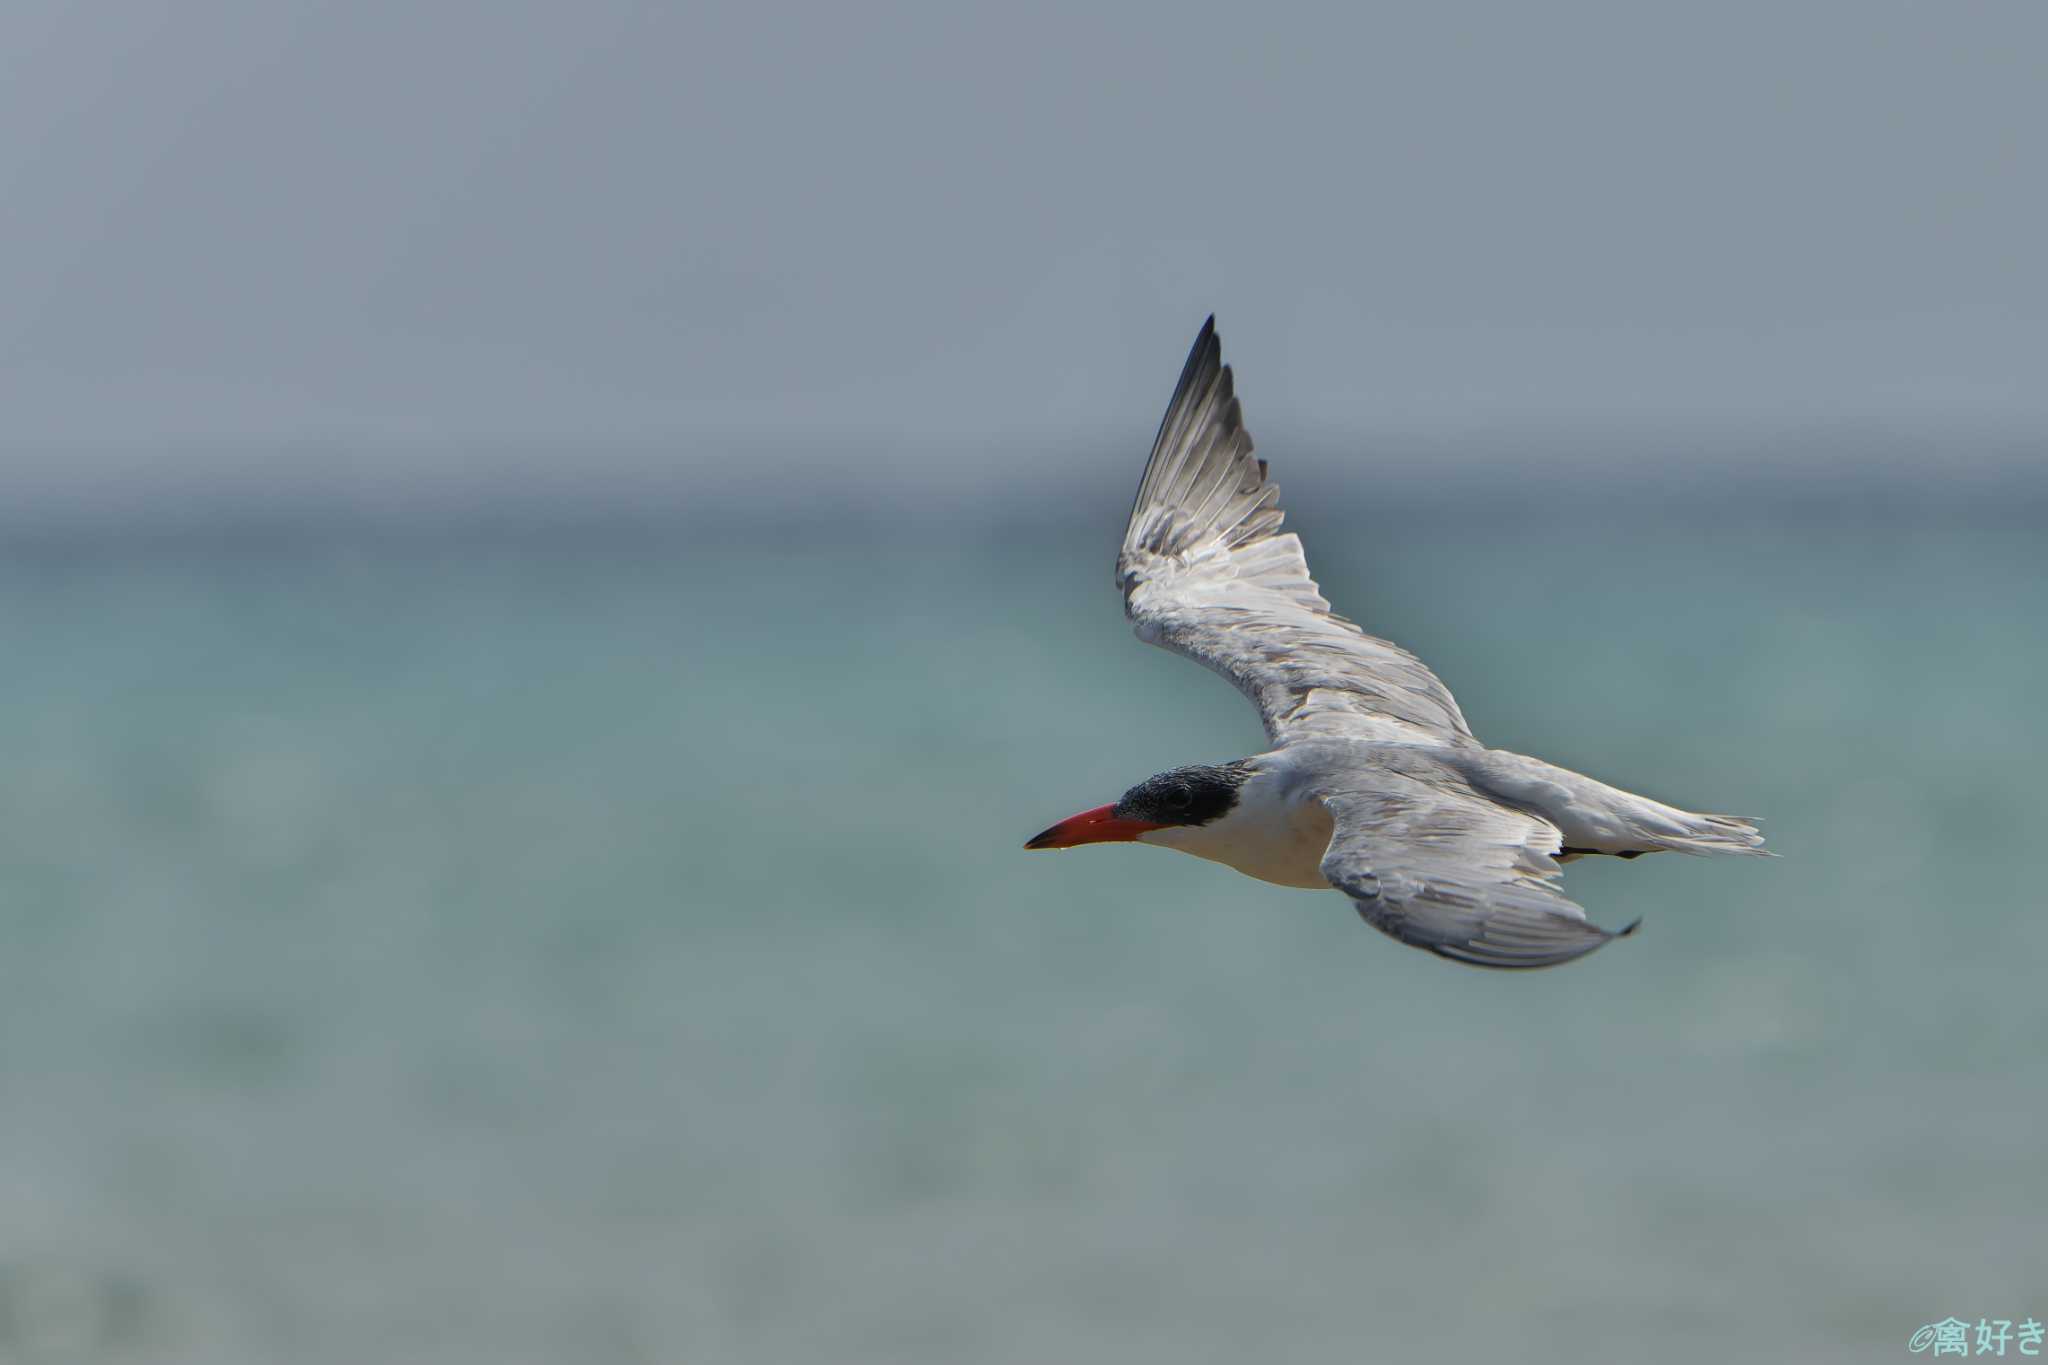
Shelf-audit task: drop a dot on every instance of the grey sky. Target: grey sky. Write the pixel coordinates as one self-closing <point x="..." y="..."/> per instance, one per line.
<point x="420" y="225"/>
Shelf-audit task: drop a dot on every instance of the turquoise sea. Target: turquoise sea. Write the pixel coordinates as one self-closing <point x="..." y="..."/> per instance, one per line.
<point x="612" y="943"/>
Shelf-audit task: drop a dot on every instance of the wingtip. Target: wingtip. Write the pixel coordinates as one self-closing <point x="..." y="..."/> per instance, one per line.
<point x="1633" y="925"/>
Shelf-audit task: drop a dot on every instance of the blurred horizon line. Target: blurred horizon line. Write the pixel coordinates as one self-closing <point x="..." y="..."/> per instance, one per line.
<point x="1971" y="469"/>
<point x="623" y="493"/>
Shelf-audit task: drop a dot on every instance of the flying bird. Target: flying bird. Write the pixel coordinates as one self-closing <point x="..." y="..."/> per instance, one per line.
<point x="1374" y="785"/>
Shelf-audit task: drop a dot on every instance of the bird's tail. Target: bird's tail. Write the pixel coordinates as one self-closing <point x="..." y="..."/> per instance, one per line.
<point x="1593" y="817"/>
<point x="1707" y="834"/>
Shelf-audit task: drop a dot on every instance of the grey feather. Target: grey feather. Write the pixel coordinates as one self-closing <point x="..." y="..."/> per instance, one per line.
<point x="1432" y="862"/>
<point x="1206" y="573"/>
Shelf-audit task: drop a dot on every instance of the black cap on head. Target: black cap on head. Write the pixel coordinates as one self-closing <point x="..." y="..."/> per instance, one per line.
<point x="1184" y="796"/>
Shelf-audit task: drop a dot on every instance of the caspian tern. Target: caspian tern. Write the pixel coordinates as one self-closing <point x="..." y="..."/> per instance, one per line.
<point x="1375" y="785"/>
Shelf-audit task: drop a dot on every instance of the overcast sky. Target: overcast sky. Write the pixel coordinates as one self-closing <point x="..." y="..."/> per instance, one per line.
<point x="298" y="227"/>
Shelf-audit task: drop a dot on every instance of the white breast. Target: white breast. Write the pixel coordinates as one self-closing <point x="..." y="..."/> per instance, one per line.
<point x="1276" y="832"/>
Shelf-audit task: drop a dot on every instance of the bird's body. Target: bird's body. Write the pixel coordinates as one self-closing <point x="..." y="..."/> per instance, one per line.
<point x="1375" y="785"/>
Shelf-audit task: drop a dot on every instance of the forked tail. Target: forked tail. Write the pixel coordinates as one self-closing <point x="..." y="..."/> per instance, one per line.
<point x="1593" y="817"/>
<point x="1705" y="833"/>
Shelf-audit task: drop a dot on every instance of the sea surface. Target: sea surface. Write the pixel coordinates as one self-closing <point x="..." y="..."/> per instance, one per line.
<point x="613" y="944"/>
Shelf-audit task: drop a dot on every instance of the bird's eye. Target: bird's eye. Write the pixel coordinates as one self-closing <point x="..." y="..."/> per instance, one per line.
<point x="1178" y="798"/>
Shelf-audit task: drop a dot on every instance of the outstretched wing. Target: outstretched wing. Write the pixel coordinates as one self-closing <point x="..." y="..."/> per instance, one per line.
<point x="1435" y="865"/>
<point x="1206" y="573"/>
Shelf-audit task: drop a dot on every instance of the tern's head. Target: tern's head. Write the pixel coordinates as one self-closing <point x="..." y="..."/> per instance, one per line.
<point x="1185" y="796"/>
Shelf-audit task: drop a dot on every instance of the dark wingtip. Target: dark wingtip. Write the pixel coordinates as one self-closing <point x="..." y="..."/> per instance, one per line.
<point x="1634" y="925"/>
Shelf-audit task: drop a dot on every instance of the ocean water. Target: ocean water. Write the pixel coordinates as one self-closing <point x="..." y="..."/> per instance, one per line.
<point x="546" y="946"/>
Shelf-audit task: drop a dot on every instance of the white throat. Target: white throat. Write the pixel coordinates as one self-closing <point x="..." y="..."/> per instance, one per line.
<point x="1277" y="832"/>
